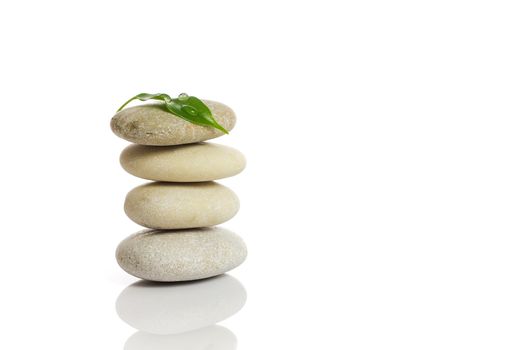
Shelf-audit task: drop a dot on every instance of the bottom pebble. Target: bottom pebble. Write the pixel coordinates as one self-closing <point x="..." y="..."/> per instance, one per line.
<point x="180" y="255"/>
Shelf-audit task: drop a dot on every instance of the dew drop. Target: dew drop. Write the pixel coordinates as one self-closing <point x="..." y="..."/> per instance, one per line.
<point x="189" y="109"/>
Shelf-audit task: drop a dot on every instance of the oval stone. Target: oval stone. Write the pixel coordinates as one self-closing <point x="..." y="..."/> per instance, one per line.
<point x="174" y="308"/>
<point x="170" y="256"/>
<point x="153" y="125"/>
<point x="165" y="205"/>
<point x="184" y="163"/>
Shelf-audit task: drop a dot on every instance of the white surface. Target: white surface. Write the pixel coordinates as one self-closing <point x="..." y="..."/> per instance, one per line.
<point x="384" y="195"/>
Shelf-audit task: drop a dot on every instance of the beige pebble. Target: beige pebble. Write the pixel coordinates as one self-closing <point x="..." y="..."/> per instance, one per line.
<point x="165" y="205"/>
<point x="151" y="124"/>
<point x="184" y="163"/>
<point x="180" y="255"/>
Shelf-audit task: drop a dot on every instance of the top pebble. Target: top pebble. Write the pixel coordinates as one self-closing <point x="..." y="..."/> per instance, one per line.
<point x="152" y="125"/>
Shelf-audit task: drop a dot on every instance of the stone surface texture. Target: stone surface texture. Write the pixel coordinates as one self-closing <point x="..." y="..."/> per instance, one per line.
<point x="180" y="255"/>
<point x="165" y="205"/>
<point x="151" y="124"/>
<point x="202" y="161"/>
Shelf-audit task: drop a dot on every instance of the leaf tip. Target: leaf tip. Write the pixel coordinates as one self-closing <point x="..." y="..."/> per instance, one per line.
<point x="221" y="128"/>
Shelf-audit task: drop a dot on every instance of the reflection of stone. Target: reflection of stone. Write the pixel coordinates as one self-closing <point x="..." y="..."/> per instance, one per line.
<point x="209" y="338"/>
<point x="180" y="307"/>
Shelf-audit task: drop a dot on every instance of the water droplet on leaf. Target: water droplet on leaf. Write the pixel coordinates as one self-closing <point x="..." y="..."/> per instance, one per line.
<point x="191" y="110"/>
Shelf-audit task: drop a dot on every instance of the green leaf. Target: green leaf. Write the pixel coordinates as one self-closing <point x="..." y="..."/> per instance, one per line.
<point x="144" y="97"/>
<point x="192" y="109"/>
<point x="189" y="108"/>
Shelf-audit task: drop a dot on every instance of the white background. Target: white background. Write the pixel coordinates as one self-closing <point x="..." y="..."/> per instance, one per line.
<point x="384" y="196"/>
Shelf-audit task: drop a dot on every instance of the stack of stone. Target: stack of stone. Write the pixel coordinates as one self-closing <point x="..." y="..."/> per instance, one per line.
<point x="183" y="204"/>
